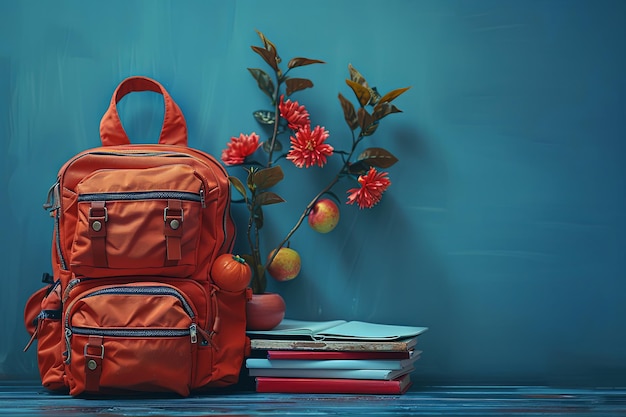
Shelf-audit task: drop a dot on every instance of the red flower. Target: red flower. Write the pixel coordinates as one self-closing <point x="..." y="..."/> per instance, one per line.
<point x="373" y="185"/>
<point x="296" y="115"/>
<point x="308" y="147"/>
<point x="240" y="148"/>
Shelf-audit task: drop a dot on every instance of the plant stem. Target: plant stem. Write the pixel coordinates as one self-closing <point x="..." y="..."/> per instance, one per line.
<point x="259" y="281"/>
<point x="276" y="117"/>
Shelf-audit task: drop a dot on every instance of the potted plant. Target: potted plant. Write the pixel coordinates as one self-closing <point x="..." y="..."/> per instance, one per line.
<point x="307" y="149"/>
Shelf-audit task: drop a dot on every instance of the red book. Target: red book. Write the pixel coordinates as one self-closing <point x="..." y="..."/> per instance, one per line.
<point x="333" y="386"/>
<point x="322" y="355"/>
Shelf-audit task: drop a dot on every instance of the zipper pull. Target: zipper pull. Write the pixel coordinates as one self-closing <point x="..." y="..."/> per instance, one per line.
<point x="202" y="187"/>
<point x="202" y="200"/>
<point x="68" y="336"/>
<point x="193" y="332"/>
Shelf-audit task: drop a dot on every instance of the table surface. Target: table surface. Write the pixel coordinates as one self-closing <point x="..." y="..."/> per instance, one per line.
<point x="28" y="398"/>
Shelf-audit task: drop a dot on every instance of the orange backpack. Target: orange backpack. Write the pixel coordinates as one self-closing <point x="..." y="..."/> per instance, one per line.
<point x="131" y="304"/>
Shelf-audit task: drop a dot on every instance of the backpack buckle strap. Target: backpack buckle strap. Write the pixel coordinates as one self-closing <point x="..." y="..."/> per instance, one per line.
<point x="98" y="218"/>
<point x="94" y="354"/>
<point x="173" y="229"/>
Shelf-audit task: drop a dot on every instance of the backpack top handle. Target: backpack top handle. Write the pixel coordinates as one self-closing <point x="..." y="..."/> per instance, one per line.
<point x="174" y="130"/>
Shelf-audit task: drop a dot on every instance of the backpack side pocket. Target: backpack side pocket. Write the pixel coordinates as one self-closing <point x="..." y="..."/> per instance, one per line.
<point x="46" y="327"/>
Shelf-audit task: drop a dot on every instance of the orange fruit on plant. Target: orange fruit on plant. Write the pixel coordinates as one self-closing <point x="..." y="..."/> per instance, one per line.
<point x="285" y="266"/>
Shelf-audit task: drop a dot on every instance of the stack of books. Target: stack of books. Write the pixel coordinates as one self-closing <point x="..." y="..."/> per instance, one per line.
<point x="334" y="357"/>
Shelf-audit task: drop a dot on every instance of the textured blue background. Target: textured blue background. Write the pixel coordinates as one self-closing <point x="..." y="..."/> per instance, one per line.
<point x="504" y="228"/>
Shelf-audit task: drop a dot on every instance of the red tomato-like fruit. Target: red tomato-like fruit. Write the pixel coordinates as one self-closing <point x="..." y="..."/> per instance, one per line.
<point x="231" y="272"/>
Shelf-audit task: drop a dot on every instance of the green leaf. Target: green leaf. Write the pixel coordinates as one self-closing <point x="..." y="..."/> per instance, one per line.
<point x="265" y="117"/>
<point x="263" y="80"/>
<point x="250" y="178"/>
<point x="271" y="55"/>
<point x="348" y="112"/>
<point x="392" y="95"/>
<point x="267" y="44"/>
<point x="384" y="109"/>
<point x="356" y="76"/>
<point x="278" y="146"/>
<point x="297" y="84"/>
<point x="299" y="62"/>
<point x="268" y="197"/>
<point x="366" y="122"/>
<point x="359" y="168"/>
<point x="268" y="177"/>
<point x="370" y="129"/>
<point x="236" y="182"/>
<point x="362" y="93"/>
<point x="365" y="119"/>
<point x="268" y="56"/>
<point x="374" y="96"/>
<point x="377" y="157"/>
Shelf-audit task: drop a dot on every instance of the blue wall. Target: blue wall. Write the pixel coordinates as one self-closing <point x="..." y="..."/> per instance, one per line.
<point x="504" y="230"/>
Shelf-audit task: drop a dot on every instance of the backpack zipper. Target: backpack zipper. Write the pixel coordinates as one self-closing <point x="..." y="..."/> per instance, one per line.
<point x="144" y="290"/>
<point x="87" y="331"/>
<point x="144" y="195"/>
<point x="53" y="204"/>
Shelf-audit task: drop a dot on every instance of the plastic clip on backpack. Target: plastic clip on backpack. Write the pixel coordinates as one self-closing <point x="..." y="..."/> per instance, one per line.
<point x="132" y="305"/>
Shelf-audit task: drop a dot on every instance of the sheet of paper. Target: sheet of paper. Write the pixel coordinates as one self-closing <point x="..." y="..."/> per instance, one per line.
<point x="340" y="330"/>
<point x="363" y="330"/>
<point x="298" y="327"/>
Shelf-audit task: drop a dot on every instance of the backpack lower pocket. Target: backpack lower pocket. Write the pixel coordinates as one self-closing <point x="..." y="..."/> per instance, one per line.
<point x="131" y="337"/>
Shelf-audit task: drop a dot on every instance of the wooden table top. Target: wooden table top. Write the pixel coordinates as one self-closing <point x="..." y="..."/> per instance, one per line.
<point x="28" y="398"/>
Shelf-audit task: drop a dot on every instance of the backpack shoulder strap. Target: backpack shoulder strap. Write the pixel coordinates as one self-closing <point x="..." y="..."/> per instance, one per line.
<point x="174" y="130"/>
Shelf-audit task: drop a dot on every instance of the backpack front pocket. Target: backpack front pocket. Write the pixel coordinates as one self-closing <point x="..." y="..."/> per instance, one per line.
<point x="135" y="337"/>
<point x="138" y="222"/>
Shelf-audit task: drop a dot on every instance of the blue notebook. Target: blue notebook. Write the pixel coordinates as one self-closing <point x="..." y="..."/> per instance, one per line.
<point x="389" y="364"/>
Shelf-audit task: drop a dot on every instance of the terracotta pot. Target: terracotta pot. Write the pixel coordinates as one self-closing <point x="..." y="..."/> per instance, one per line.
<point x="264" y="311"/>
